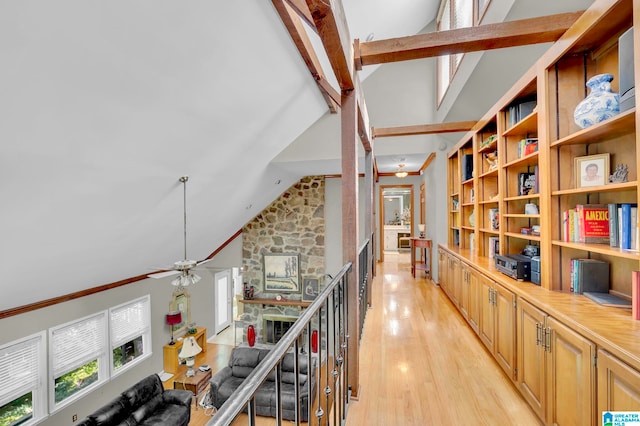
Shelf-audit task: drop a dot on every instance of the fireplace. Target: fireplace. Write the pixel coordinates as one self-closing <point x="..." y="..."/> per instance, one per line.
<point x="275" y="326"/>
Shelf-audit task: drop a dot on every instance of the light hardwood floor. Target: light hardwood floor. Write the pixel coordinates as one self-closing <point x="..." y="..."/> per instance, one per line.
<point x="420" y="364"/>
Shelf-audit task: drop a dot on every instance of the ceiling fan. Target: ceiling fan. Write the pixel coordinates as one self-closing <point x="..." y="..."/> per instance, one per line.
<point x="182" y="268"/>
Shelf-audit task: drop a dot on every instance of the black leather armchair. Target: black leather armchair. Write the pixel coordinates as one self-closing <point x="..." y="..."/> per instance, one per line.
<point x="145" y="403"/>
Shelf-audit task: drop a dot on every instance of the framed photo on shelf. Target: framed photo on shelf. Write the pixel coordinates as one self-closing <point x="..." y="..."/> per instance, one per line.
<point x="281" y="272"/>
<point x="181" y="301"/>
<point x="592" y="170"/>
<point x="309" y="289"/>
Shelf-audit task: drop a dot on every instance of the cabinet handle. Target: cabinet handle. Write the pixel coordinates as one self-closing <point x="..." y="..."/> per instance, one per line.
<point x="548" y="339"/>
<point x="538" y="334"/>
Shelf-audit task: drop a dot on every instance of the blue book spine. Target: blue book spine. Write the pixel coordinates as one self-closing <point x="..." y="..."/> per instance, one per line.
<point x="625" y="221"/>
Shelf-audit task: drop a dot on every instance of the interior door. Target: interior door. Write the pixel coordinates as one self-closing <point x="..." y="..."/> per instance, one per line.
<point x="223" y="300"/>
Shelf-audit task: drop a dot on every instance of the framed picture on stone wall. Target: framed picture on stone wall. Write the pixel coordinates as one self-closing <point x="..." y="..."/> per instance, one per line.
<point x="281" y="272"/>
<point x="309" y="289"/>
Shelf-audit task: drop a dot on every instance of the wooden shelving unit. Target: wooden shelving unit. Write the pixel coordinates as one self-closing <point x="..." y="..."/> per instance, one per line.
<point x="556" y="84"/>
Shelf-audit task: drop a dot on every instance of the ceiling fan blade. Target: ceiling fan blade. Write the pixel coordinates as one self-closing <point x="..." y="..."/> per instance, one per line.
<point x="164" y="274"/>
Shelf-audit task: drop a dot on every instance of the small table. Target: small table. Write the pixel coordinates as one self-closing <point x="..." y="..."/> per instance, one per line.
<point x="424" y="245"/>
<point x="196" y="384"/>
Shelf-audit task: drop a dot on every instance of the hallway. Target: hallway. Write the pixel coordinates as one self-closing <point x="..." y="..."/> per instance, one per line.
<point x="420" y="364"/>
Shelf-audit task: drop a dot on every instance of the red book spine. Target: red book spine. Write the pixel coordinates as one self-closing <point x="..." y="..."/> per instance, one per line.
<point x="635" y="295"/>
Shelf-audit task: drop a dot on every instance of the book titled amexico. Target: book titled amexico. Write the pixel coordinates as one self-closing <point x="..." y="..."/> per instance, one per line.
<point x="593" y="223"/>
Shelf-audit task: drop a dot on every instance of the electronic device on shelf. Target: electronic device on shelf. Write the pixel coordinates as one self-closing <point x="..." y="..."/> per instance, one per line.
<point x="516" y="266"/>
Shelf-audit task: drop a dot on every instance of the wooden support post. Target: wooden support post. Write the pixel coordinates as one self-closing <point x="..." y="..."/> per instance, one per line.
<point x="349" y="119"/>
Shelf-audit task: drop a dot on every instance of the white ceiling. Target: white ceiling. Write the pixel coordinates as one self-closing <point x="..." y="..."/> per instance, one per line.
<point x="106" y="104"/>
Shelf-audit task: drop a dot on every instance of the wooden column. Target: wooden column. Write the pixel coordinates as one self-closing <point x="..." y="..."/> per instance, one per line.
<point x="350" y="226"/>
<point x="369" y="225"/>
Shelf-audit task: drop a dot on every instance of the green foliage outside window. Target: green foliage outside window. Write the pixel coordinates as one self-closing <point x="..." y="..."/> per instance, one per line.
<point x="127" y="352"/>
<point x="76" y="380"/>
<point x="17" y="411"/>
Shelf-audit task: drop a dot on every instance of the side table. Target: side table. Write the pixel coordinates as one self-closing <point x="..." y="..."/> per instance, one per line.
<point x="425" y="258"/>
<point x="196" y="384"/>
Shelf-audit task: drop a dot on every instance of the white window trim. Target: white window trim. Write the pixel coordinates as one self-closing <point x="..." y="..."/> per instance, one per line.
<point x="100" y="353"/>
<point x="38" y="386"/>
<point x="141" y="329"/>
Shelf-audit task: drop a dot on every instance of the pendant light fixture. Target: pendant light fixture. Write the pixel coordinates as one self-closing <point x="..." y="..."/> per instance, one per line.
<point x="401" y="172"/>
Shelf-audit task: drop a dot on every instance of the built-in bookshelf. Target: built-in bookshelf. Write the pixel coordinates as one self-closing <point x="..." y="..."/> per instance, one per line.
<point x="531" y="134"/>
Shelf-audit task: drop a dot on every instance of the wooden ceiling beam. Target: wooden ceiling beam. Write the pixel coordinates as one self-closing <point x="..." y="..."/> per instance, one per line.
<point x="298" y="33"/>
<point x="461" y="40"/>
<point x="423" y="129"/>
<point x="428" y="161"/>
<point x="301" y="8"/>
<point x="331" y="23"/>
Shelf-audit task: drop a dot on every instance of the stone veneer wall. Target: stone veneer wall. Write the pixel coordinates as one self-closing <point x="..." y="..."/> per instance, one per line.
<point x="294" y="223"/>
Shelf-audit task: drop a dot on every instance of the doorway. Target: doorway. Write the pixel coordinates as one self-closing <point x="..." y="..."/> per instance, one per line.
<point x="223" y="296"/>
<point x="396" y="218"/>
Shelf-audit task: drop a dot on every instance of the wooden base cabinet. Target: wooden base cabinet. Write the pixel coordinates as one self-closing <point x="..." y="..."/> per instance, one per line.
<point x="556" y="369"/>
<point x="531" y="356"/>
<point x="618" y="385"/>
<point x="442" y="268"/>
<point x="497" y="328"/>
<point x="570" y="376"/>
<point x="474" y="300"/>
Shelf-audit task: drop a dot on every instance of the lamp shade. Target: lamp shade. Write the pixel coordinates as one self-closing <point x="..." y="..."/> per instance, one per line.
<point x="421" y="227"/>
<point x="174" y="317"/>
<point x="190" y="348"/>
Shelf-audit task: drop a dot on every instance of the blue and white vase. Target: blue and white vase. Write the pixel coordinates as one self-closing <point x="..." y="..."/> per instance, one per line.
<point x="600" y="104"/>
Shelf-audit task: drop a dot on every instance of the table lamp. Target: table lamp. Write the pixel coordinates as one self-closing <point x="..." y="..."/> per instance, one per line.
<point x="190" y="349"/>
<point x="173" y="318"/>
<point x="421" y="229"/>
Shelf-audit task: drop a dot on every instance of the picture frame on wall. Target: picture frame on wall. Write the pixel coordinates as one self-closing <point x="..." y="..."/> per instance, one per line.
<point x="592" y="170"/>
<point x="181" y="301"/>
<point x="281" y="272"/>
<point x="309" y="289"/>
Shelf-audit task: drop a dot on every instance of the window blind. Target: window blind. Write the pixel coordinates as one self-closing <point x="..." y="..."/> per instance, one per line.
<point x="21" y="366"/>
<point x="129" y="321"/>
<point x="75" y="344"/>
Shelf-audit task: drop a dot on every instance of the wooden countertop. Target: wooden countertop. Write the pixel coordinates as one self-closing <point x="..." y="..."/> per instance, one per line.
<point x="612" y="329"/>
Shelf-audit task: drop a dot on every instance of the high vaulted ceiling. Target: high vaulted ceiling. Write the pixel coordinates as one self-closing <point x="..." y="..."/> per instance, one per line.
<point x="105" y="105"/>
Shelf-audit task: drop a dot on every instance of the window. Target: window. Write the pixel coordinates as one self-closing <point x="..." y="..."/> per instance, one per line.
<point x="78" y="358"/>
<point x="455" y="14"/>
<point x="130" y="332"/>
<point x="22" y="375"/>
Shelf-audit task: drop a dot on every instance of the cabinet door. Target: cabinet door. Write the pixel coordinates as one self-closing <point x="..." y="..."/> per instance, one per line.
<point x="454" y="282"/>
<point x="531" y="356"/>
<point x="487" y="317"/>
<point x="618" y="385"/>
<point x="474" y="300"/>
<point x="570" y="377"/>
<point x="464" y="291"/>
<point x="505" y="331"/>
<point x="442" y="268"/>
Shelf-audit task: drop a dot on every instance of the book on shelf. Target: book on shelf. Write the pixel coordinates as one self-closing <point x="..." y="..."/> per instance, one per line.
<point x="467" y="166"/>
<point x="494" y="247"/>
<point x="628" y="218"/>
<point x="608" y="299"/>
<point x="589" y="275"/>
<point x="593" y="223"/>
<point x="526" y="183"/>
<point x="494" y="219"/>
<point x="570" y="226"/>
<point x="635" y="295"/>
<point x="614" y="234"/>
<point x="527" y="146"/>
<point x="520" y="110"/>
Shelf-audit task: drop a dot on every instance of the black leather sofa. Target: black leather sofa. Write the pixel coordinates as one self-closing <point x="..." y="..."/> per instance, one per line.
<point x="145" y="403"/>
<point x="242" y="362"/>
